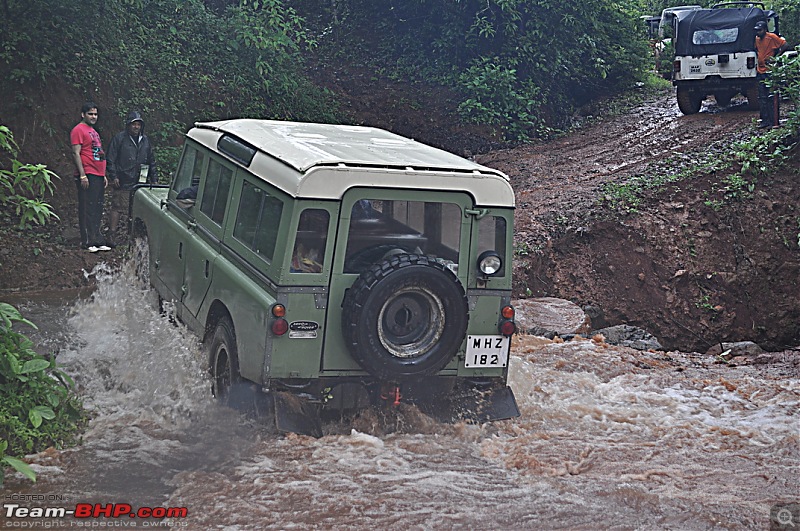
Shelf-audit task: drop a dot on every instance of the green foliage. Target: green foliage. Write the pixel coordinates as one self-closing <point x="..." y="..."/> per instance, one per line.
<point x="176" y="61"/>
<point x="498" y="98"/>
<point x="24" y="186"/>
<point x="13" y="462"/>
<point x="38" y="406"/>
<point x="518" y="64"/>
<point x="789" y="12"/>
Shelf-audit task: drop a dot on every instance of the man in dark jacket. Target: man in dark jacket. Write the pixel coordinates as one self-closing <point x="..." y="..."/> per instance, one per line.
<point x="130" y="160"/>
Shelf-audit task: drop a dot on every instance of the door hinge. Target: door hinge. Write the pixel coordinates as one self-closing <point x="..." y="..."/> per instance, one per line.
<point x="477" y="212"/>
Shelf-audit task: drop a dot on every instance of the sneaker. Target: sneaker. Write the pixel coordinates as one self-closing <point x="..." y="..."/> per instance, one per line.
<point x="103" y="248"/>
<point x="92" y="249"/>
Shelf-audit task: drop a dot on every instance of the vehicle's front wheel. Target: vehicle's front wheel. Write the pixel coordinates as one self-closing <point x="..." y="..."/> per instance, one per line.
<point x="689" y="102"/>
<point x="405" y="317"/>
<point x="140" y="249"/>
<point x="224" y="363"/>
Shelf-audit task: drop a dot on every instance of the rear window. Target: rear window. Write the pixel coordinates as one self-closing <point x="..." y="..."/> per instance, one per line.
<point x="380" y="228"/>
<point x="310" y="242"/>
<point x="492" y="237"/>
<point x="720" y="36"/>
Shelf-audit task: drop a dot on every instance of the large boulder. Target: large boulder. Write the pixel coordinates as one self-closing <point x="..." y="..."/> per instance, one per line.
<point x="550" y="317"/>
<point x="629" y="336"/>
<point x="738" y="348"/>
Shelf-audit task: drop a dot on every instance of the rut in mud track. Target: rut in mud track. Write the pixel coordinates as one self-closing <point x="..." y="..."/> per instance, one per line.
<point x="690" y="268"/>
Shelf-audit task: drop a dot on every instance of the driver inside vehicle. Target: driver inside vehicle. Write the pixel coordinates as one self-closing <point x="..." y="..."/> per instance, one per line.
<point x="309" y="247"/>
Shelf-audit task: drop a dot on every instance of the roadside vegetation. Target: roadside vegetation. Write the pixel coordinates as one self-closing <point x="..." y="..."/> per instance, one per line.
<point x="23" y="187"/>
<point x="39" y="407"/>
<point x="38" y="404"/>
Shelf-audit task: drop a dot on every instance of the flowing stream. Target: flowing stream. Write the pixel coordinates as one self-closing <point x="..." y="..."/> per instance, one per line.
<point x="609" y="438"/>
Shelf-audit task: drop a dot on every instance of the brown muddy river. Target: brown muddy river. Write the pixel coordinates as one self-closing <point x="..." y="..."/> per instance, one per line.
<point x="609" y="438"/>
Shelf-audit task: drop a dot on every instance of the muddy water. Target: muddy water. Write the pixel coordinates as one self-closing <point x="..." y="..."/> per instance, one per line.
<point x="608" y="438"/>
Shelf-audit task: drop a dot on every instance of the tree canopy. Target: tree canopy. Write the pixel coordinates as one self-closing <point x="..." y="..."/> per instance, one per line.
<point x="522" y="66"/>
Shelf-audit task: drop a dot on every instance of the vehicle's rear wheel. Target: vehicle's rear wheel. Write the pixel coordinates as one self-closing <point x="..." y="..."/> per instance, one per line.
<point x="723" y="98"/>
<point x="224" y="362"/>
<point x="689" y="102"/>
<point x="752" y="98"/>
<point x="405" y="317"/>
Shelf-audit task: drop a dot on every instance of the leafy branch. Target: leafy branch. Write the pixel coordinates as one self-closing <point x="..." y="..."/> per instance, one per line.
<point x="24" y="185"/>
<point x="38" y="405"/>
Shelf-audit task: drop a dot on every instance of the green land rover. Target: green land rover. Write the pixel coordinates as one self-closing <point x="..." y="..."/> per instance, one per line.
<point x="332" y="268"/>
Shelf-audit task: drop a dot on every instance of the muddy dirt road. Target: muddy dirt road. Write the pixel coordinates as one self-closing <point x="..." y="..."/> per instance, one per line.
<point x="692" y="263"/>
<point x="559" y="182"/>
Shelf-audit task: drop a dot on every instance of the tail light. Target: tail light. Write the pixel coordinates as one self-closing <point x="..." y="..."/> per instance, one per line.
<point x="751" y="62"/>
<point x="279" y="325"/>
<point x="676" y="65"/>
<point x="507" y="325"/>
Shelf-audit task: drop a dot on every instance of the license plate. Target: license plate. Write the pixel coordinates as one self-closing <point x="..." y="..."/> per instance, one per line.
<point x="487" y="351"/>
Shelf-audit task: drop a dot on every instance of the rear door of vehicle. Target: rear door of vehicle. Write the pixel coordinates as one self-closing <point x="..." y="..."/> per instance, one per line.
<point x="375" y="223"/>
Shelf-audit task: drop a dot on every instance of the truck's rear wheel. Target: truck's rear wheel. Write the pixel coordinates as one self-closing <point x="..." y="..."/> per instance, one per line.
<point x="689" y="102"/>
<point x="752" y="98"/>
<point x="224" y="360"/>
<point x="723" y="98"/>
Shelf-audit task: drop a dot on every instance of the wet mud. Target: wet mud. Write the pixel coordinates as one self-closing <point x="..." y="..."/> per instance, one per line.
<point x="690" y="263"/>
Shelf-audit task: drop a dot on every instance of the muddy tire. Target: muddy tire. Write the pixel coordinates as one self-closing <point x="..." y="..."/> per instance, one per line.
<point x="723" y="98"/>
<point x="689" y="102"/>
<point x="752" y="98"/>
<point x="140" y="249"/>
<point x="226" y="381"/>
<point x="405" y="317"/>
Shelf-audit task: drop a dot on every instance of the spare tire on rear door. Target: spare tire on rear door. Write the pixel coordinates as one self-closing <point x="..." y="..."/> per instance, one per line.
<point x="405" y="317"/>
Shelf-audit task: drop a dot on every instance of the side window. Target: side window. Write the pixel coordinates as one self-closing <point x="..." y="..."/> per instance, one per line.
<point x="191" y="168"/>
<point x="309" y="245"/>
<point x="258" y="220"/>
<point x="215" y="192"/>
<point x="380" y="228"/>
<point x="492" y="237"/>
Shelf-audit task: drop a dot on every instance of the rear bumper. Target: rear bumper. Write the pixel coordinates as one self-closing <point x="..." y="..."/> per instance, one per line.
<point x="715" y="84"/>
<point x="300" y="410"/>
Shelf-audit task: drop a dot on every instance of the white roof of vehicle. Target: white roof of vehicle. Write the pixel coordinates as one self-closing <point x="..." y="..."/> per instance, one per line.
<point x="323" y="161"/>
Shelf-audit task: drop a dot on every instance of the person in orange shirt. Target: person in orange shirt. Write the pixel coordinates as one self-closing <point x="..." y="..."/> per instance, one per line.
<point x="768" y="45"/>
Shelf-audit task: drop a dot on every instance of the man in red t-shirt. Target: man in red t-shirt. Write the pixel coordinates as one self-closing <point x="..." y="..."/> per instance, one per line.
<point x="90" y="178"/>
<point x="768" y="45"/>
